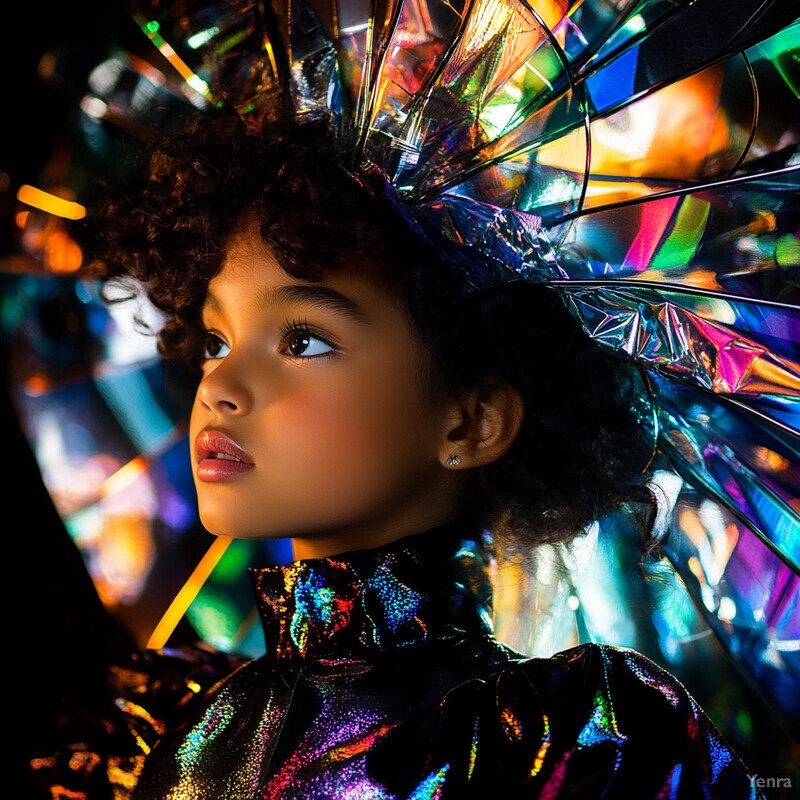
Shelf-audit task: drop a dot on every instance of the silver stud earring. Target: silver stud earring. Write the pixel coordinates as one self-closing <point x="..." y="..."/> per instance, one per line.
<point x="454" y="460"/>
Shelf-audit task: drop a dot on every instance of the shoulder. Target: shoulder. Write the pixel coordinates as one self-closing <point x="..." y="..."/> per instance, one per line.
<point x="619" y="716"/>
<point x="614" y="693"/>
<point x="99" y="743"/>
<point x="592" y="721"/>
<point x="592" y="672"/>
<point x="616" y="701"/>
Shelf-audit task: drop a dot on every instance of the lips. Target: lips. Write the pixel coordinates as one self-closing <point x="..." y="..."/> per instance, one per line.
<point x="219" y="457"/>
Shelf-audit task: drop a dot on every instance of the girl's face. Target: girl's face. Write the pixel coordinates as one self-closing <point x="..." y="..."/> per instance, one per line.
<point x="316" y="388"/>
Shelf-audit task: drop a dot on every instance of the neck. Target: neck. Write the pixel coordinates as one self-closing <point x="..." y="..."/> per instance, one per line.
<point x="370" y="534"/>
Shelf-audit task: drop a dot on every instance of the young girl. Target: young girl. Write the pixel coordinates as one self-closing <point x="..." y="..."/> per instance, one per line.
<point x="358" y="398"/>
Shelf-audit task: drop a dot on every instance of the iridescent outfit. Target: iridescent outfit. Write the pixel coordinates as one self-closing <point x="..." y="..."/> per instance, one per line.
<point x="382" y="680"/>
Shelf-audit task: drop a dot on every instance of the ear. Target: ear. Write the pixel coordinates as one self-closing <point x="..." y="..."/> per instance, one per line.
<point x="481" y="427"/>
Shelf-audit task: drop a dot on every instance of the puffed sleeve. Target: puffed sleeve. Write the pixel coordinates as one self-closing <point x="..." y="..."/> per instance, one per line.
<point x="592" y="721"/>
<point x="98" y="747"/>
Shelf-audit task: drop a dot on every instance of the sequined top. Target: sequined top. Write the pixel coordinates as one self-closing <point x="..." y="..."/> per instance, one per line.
<point x="382" y="680"/>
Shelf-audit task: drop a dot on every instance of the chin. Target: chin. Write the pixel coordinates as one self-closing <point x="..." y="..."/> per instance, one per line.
<point x="223" y="520"/>
<point x="218" y="520"/>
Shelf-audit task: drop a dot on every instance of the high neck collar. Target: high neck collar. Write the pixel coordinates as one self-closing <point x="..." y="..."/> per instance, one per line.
<point x="428" y="586"/>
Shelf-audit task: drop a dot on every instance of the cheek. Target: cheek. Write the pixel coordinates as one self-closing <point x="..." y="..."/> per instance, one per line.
<point x="352" y="424"/>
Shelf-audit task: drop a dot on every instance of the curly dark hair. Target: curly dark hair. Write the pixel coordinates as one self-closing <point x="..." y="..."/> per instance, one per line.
<point x="581" y="452"/>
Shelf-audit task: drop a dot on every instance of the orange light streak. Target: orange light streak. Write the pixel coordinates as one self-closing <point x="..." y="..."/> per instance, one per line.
<point x="187" y="594"/>
<point x="50" y="203"/>
<point x="123" y="477"/>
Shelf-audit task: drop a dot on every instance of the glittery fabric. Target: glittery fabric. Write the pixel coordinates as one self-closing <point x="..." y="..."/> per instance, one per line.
<point x="382" y="680"/>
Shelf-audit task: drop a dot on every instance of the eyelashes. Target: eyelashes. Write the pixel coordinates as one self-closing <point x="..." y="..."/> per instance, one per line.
<point x="296" y="334"/>
<point x="298" y="340"/>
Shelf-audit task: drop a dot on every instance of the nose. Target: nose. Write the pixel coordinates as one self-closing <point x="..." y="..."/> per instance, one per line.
<point x="224" y="389"/>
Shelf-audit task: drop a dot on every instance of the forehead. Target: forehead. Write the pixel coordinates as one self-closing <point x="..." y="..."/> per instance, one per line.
<point x="251" y="273"/>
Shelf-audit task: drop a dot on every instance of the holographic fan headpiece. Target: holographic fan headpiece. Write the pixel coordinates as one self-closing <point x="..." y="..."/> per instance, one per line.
<point x="640" y="157"/>
<point x="550" y="140"/>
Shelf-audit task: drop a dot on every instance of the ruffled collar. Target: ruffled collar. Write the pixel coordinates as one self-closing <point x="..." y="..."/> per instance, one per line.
<point x="429" y="586"/>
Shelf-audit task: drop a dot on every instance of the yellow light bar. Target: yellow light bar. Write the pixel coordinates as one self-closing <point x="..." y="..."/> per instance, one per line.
<point x="50" y="203"/>
<point x="186" y="595"/>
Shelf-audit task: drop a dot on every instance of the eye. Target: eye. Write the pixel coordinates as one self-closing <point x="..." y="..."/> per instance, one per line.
<point x="212" y="347"/>
<point x="300" y="342"/>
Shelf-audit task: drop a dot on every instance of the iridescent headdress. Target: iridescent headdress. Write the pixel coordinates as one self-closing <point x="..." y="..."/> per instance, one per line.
<point x="639" y="157"/>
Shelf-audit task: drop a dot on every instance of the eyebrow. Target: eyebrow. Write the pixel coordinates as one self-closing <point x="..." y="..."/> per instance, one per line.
<point x="315" y="296"/>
